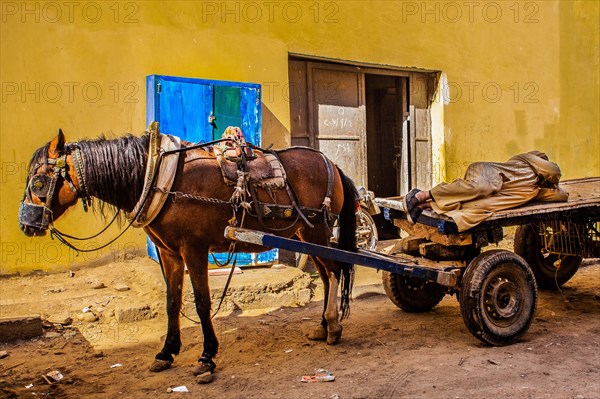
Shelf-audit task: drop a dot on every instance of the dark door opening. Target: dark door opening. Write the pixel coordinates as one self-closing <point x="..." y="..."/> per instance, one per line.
<point x="386" y="112"/>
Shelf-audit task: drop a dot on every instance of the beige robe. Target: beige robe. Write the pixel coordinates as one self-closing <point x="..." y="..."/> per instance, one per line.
<point x="490" y="186"/>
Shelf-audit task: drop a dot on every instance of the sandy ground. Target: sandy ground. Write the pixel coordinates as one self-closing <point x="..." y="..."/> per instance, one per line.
<point x="384" y="352"/>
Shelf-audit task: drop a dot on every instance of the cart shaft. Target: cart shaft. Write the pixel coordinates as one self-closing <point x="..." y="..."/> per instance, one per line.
<point x="446" y="277"/>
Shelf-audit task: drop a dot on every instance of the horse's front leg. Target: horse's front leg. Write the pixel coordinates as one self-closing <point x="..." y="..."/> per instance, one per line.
<point x="173" y="270"/>
<point x="197" y="262"/>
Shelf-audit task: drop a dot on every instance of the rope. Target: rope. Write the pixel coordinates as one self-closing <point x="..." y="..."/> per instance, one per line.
<point x="179" y="194"/>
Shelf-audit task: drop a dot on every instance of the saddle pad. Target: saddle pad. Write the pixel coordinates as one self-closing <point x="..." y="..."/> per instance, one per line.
<point x="164" y="177"/>
<point x="265" y="170"/>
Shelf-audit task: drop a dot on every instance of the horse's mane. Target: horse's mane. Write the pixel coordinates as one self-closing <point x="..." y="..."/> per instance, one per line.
<point x="115" y="170"/>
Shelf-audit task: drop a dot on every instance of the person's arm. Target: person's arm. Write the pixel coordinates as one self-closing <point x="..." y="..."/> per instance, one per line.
<point x="552" y="194"/>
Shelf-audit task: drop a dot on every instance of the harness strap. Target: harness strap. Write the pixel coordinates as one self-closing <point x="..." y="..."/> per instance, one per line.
<point x="326" y="207"/>
<point x="292" y="196"/>
<point x="79" y="163"/>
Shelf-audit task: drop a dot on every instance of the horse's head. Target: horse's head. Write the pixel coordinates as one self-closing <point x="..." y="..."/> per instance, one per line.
<point x="53" y="185"/>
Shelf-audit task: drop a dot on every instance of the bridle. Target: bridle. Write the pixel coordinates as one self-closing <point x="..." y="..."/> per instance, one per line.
<point x="43" y="186"/>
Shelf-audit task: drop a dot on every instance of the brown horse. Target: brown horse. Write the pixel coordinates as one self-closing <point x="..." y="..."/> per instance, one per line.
<point x="186" y="229"/>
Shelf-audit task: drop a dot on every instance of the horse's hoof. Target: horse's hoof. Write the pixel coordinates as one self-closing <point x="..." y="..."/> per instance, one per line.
<point x="160" y="365"/>
<point x="334" y="336"/>
<point x="204" y="378"/>
<point x="318" y="334"/>
<point x="202" y="368"/>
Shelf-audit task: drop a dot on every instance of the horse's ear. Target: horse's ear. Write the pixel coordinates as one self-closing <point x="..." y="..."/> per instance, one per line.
<point x="57" y="145"/>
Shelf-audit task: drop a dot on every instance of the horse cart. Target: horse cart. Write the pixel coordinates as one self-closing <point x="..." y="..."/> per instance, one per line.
<point x="496" y="288"/>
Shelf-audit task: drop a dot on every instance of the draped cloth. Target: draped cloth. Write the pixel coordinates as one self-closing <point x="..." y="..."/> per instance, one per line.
<point x="490" y="186"/>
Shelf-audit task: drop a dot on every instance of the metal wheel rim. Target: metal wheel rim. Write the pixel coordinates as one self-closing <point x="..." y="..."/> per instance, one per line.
<point x="502" y="297"/>
<point x="365" y="237"/>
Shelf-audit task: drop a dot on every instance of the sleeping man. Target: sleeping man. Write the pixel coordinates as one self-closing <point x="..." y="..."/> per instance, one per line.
<point x="488" y="187"/>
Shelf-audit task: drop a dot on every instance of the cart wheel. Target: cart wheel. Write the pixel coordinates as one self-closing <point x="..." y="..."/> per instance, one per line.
<point x="498" y="297"/>
<point x="550" y="270"/>
<point x="366" y="230"/>
<point x="412" y="294"/>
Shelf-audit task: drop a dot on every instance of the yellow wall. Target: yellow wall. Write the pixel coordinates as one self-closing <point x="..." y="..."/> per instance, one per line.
<point x="81" y="66"/>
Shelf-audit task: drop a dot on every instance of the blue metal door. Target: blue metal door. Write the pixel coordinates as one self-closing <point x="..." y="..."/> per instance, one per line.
<point x="185" y="107"/>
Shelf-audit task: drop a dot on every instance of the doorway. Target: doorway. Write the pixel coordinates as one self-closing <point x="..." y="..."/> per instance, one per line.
<point x="373" y="122"/>
<point x="387" y="116"/>
<point x="386" y="119"/>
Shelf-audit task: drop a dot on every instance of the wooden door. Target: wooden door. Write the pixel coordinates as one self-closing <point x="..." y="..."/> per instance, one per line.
<point x="337" y="117"/>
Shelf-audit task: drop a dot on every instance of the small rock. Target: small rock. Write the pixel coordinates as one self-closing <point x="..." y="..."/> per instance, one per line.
<point x="3" y="354"/>
<point x="126" y="315"/>
<point x="55" y="375"/>
<point x="121" y="287"/>
<point x="55" y="290"/>
<point x="71" y="273"/>
<point x="69" y="333"/>
<point x="53" y="334"/>
<point x="303" y="296"/>
<point x="88" y="317"/>
<point x="204" y="378"/>
<point x="99" y="354"/>
<point x="63" y="319"/>
<point x="169" y="390"/>
<point x="98" y="285"/>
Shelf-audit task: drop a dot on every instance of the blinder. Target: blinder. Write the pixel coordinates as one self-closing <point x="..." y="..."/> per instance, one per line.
<point x="40" y="185"/>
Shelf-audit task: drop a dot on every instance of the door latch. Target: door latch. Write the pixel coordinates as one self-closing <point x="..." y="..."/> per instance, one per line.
<point x="212" y="121"/>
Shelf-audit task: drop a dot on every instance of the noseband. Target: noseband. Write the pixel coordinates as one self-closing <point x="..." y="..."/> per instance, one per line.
<point x="43" y="186"/>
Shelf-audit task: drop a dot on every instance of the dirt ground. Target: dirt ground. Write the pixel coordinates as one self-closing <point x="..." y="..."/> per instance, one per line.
<point x="384" y="352"/>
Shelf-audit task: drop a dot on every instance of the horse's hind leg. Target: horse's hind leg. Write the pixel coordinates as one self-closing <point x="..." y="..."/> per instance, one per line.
<point x="334" y="327"/>
<point x="197" y="262"/>
<point x="320" y="332"/>
<point x="330" y="274"/>
<point x="173" y="272"/>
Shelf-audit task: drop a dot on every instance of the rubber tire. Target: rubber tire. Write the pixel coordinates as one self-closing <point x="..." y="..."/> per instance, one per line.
<point x="412" y="295"/>
<point x="482" y="321"/>
<point x="547" y="275"/>
<point x="363" y="218"/>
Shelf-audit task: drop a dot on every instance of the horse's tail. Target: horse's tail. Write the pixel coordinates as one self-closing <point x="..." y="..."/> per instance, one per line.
<point x="347" y="239"/>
